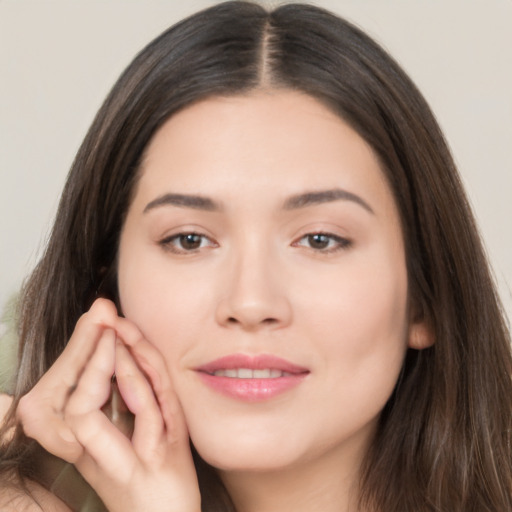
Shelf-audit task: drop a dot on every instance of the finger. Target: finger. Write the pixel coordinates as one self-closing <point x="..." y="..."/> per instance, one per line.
<point x="43" y="422"/>
<point x="93" y="387"/>
<point x="107" y="452"/>
<point x="153" y="365"/>
<point x="60" y="380"/>
<point x="48" y="429"/>
<point x="148" y="357"/>
<point x="40" y="410"/>
<point x="140" y="399"/>
<point x="62" y="377"/>
<point x="128" y="331"/>
<point x="102" y="442"/>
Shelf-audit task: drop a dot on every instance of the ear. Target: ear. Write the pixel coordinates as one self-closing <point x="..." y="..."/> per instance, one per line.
<point x="421" y="335"/>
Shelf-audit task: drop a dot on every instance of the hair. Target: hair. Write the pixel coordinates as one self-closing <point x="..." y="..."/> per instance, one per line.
<point x="443" y="442"/>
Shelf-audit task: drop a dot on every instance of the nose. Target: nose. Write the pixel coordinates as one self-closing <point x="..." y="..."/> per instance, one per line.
<point x="253" y="295"/>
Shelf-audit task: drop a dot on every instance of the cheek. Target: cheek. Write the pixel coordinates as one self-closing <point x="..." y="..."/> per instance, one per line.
<point x="359" y="330"/>
<point x="361" y="296"/>
<point x="168" y="307"/>
<point x="360" y="319"/>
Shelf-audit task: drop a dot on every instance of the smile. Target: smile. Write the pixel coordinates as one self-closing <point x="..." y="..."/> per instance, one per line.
<point x="248" y="373"/>
<point x="251" y="378"/>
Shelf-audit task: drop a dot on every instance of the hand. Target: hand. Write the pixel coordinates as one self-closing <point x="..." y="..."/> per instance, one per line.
<point x="151" y="471"/>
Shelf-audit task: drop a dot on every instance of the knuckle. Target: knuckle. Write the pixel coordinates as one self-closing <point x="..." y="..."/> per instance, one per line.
<point x="27" y="414"/>
<point x="25" y="407"/>
<point x="74" y="406"/>
<point x="69" y="419"/>
<point x="73" y="416"/>
<point x="103" y="309"/>
<point x="82" y="320"/>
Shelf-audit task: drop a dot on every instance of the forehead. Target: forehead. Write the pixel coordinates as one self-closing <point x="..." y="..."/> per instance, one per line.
<point x="267" y="143"/>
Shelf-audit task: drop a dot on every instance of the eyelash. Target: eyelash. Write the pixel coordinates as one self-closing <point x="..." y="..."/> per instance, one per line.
<point x="337" y="243"/>
<point x="169" y="242"/>
<point x="334" y="243"/>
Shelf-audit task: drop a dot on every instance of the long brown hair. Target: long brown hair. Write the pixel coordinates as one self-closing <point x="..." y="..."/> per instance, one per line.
<point x="443" y="443"/>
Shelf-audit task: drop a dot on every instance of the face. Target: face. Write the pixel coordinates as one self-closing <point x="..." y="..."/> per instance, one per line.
<point x="263" y="256"/>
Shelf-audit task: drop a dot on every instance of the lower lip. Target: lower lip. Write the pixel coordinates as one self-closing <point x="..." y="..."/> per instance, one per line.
<point x="252" y="390"/>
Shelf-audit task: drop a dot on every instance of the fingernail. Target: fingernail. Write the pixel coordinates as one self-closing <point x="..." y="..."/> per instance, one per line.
<point x="67" y="435"/>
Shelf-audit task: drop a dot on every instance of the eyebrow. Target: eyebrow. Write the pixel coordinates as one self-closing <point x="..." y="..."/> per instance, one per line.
<point x="298" y="201"/>
<point x="325" y="196"/>
<point x="184" y="200"/>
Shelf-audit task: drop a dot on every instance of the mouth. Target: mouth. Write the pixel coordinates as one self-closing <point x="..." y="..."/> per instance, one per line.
<point x="248" y="373"/>
<point x="251" y="377"/>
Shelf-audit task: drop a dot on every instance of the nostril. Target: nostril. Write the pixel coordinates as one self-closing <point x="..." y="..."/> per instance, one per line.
<point x="265" y="321"/>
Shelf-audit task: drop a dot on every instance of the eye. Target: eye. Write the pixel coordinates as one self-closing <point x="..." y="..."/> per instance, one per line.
<point x="183" y="243"/>
<point x="323" y="242"/>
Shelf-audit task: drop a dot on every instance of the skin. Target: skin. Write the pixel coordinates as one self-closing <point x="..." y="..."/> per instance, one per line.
<point x="255" y="285"/>
<point x="256" y="279"/>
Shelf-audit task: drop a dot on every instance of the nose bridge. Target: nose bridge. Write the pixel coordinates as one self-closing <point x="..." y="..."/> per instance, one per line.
<point x="254" y="294"/>
<point x="253" y="274"/>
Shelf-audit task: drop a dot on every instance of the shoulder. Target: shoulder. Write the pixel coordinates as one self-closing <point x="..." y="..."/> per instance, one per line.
<point x="40" y="500"/>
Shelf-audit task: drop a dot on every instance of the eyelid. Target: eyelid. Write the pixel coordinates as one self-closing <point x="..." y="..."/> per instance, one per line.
<point x="166" y="241"/>
<point x="335" y="242"/>
<point x="342" y="243"/>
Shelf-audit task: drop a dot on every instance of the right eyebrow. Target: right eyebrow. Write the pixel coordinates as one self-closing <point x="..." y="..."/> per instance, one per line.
<point x="185" y="201"/>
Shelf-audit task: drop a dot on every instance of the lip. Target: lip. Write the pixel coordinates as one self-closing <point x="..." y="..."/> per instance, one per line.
<point x="252" y="389"/>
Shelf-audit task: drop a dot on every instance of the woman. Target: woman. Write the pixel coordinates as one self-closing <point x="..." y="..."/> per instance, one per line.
<point x="264" y="238"/>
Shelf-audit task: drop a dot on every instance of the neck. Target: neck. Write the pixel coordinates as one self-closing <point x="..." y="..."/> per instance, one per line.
<point x="329" y="483"/>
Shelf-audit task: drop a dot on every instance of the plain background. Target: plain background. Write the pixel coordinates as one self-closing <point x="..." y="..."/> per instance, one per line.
<point x="59" y="59"/>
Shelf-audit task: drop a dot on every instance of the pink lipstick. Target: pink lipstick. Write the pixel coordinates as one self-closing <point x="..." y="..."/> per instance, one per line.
<point x="251" y="378"/>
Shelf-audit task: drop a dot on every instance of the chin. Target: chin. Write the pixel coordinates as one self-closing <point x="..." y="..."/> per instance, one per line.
<point x="242" y="455"/>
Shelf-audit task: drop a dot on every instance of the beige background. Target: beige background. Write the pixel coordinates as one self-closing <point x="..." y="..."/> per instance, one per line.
<point x="60" y="57"/>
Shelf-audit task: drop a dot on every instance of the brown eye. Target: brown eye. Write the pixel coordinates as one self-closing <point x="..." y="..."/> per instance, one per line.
<point x="183" y="243"/>
<point x="318" y="241"/>
<point x="190" y="241"/>
<point x="323" y="242"/>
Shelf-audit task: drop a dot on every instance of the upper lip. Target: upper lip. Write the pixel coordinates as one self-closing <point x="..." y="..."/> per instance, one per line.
<point x="253" y="362"/>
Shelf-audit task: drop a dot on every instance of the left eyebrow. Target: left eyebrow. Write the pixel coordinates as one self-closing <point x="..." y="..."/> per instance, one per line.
<point x="325" y="196"/>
